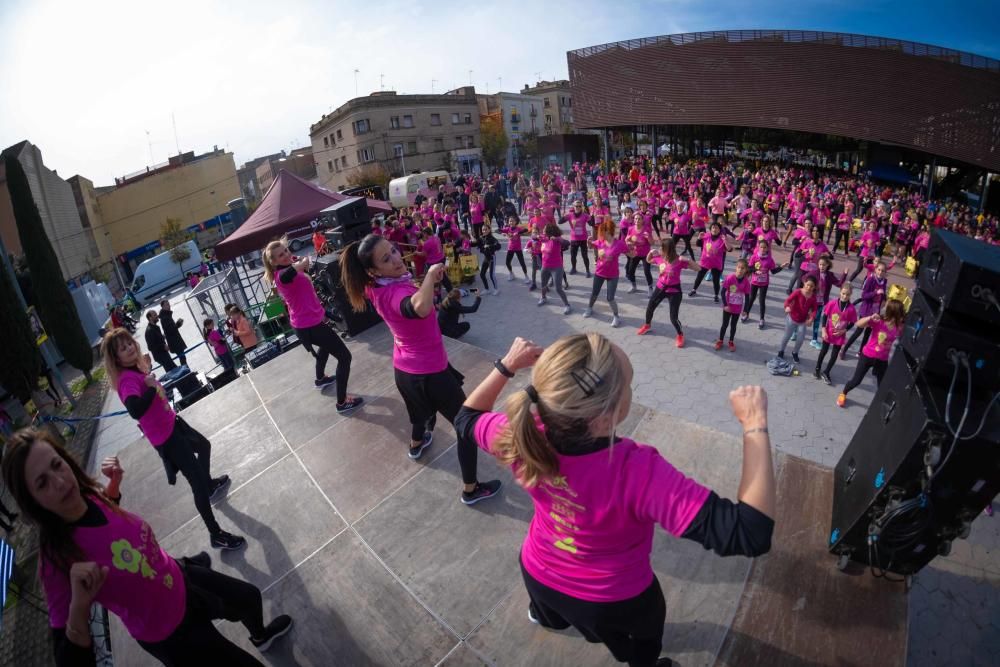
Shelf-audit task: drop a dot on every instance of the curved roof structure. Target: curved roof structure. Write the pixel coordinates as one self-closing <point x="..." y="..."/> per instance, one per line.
<point x="928" y="98"/>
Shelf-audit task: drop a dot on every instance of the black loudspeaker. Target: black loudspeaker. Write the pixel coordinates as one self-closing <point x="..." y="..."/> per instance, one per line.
<point x="328" y="273"/>
<point x="963" y="274"/>
<point x="341" y="236"/>
<point x="351" y="212"/>
<point x="907" y="486"/>
<point x="933" y="336"/>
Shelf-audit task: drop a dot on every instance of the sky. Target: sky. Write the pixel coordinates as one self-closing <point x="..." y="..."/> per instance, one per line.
<point x="100" y="86"/>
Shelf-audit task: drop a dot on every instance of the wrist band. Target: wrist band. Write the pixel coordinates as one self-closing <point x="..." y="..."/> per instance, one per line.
<point x="755" y="430"/>
<point x="503" y="370"/>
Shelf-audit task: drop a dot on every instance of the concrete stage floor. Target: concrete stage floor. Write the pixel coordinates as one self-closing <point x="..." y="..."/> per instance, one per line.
<point x="379" y="563"/>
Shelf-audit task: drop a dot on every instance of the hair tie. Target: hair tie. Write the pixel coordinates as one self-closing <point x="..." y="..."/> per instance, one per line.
<point x="532" y="394"/>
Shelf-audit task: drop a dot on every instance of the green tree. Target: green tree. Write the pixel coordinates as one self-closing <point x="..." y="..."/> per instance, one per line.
<point x="20" y="360"/>
<point x="493" y="140"/>
<point x="52" y="297"/>
<point x="370" y="174"/>
<point x="173" y="237"/>
<point x="528" y="146"/>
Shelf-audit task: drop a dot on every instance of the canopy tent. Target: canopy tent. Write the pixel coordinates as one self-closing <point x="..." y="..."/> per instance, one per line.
<point x="289" y="203"/>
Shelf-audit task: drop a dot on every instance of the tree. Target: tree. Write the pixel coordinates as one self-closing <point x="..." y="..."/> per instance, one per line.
<point x="52" y="297"/>
<point x="370" y="174"/>
<point x="493" y="140"/>
<point x="174" y="238"/>
<point x="529" y="145"/>
<point x="19" y="357"/>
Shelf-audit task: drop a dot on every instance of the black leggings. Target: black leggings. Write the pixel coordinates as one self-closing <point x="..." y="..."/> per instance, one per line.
<point x="612" y="288"/>
<point x="632" y="629"/>
<point x="632" y="264"/>
<point x="865" y="363"/>
<point x="190" y="452"/>
<point x="488" y="269"/>
<point x="833" y="356"/>
<point x="858" y="269"/>
<point x="211" y="595"/>
<point x="428" y="394"/>
<point x="716" y="276"/>
<point x="687" y="243"/>
<point x="729" y="320"/>
<point x="581" y="247"/>
<point x="864" y="333"/>
<point x="844" y="234"/>
<point x="674" y="300"/>
<point x="754" y="289"/>
<point x="326" y="342"/>
<point x="511" y="254"/>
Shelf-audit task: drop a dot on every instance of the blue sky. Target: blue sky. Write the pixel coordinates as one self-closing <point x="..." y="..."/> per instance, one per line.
<point x="86" y="81"/>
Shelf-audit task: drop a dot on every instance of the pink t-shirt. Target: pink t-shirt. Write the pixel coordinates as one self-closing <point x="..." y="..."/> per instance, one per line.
<point x="640" y="239"/>
<point x="513" y="238"/>
<point x="760" y="268"/>
<point x="881" y="340"/>
<point x="713" y="252"/>
<point x="718" y="205"/>
<point x="811" y="251"/>
<point x="158" y="422"/>
<point x="304" y="307"/>
<point x="417" y="345"/>
<point x="476" y="211"/>
<point x="670" y="273"/>
<point x="839" y="315"/>
<point x="592" y="531"/>
<point x="218" y="344"/>
<point x="552" y="253"/>
<point x="433" y="251"/>
<point x="144" y="587"/>
<point x="608" y="253"/>
<point x="578" y="225"/>
<point x="734" y="293"/>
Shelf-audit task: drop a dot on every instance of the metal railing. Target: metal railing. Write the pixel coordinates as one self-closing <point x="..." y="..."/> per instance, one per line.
<point x="800" y="37"/>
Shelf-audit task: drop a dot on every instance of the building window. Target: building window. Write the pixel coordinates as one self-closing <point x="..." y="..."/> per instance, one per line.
<point x="439" y="144"/>
<point x="366" y="155"/>
<point x="339" y="135"/>
<point x="361" y="126"/>
<point x="407" y="121"/>
<point x="454" y="119"/>
<point x="411" y="147"/>
<point x="326" y="141"/>
<point x="547" y="103"/>
<point x="435" y="119"/>
<point x="394" y="122"/>
<point x="343" y="162"/>
<point x="569" y="101"/>
<point x="459" y="142"/>
<point x="470" y="142"/>
<point x="329" y="165"/>
<point x="548" y="120"/>
<point x="332" y="142"/>
<point x="468" y="119"/>
<point x="397" y="150"/>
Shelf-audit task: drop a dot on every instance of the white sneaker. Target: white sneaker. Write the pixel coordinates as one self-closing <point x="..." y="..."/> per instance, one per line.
<point x="527" y="280"/>
<point x="567" y="310"/>
<point x="615" y="322"/>
<point x="495" y="291"/>
<point x="542" y="301"/>
<point x="510" y="277"/>
<point x="588" y="312"/>
<point x="633" y="289"/>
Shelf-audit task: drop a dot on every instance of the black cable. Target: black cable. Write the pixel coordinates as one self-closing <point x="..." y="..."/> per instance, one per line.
<point x="965" y="414"/>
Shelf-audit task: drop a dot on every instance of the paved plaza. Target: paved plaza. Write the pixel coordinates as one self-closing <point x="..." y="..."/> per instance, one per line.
<point x="380" y="564"/>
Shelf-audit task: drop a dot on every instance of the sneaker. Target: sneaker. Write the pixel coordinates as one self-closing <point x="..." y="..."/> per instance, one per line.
<point x="219" y="485"/>
<point x="351" y="404"/>
<point x="680" y="340"/>
<point x="716" y="298"/>
<point x="276" y="628"/>
<point x="482" y="491"/>
<point x="718" y="344"/>
<point x="643" y="330"/>
<point x="227" y="541"/>
<point x="693" y="292"/>
<point x="732" y="346"/>
<point x="324" y="382"/>
<point x="781" y="354"/>
<point x="532" y="287"/>
<point x="744" y="317"/>
<point x="665" y="662"/>
<point x="531" y="614"/>
<point x="795" y="336"/>
<point x="495" y="292"/>
<point x="615" y="322"/>
<point x="510" y="278"/>
<point x="633" y="289"/>
<point x="795" y="357"/>
<point x="572" y="272"/>
<point x="760" y="325"/>
<point x="815" y="344"/>
<point x="416" y="452"/>
<point x="588" y="312"/>
<point x="542" y="301"/>
<point x="588" y="273"/>
<point x="567" y="310"/>
<point x="826" y="377"/>
<point x="841" y="399"/>
<point x="816" y="374"/>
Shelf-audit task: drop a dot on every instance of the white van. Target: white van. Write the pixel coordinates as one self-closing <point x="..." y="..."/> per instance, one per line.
<point x="404" y="190"/>
<point x="158" y="273"/>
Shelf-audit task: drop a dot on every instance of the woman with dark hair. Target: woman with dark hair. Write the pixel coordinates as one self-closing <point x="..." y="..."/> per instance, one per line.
<point x="885" y="329"/>
<point x="373" y="270"/>
<point x="91" y="550"/>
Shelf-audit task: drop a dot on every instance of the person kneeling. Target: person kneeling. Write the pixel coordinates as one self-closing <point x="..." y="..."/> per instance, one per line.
<point x="451" y="311"/>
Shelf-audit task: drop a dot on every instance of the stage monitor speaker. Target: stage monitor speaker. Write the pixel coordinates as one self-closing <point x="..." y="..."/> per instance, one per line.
<point x="351" y="212"/>
<point x="963" y="274"/>
<point x="906" y="486"/>
<point x="328" y="270"/>
<point x="933" y="336"/>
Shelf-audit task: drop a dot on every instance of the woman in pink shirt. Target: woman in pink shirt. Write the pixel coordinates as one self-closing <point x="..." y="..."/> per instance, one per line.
<point x="838" y="318"/>
<point x="598" y="497"/>
<point x="514" y="231"/>
<point x="668" y="286"/>
<point x="735" y="289"/>
<point x="871" y="241"/>
<point x="552" y="248"/>
<point x="713" y="258"/>
<point x="180" y="447"/>
<point x="308" y="317"/>
<point x="875" y="354"/>
<point x="373" y="270"/>
<point x="91" y="551"/>
<point x="639" y="239"/>
<point x="607" y="250"/>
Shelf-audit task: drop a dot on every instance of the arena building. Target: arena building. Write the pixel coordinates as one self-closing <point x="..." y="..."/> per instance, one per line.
<point x="897" y="109"/>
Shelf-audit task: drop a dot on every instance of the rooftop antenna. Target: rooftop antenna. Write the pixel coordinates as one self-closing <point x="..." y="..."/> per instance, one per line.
<point x="538" y="76"/>
<point x="433" y="81"/>
<point x="381" y="79"/>
<point x="177" y="143"/>
<point x="487" y="87"/>
<point x="149" y="142"/>
<point x="470" y="77"/>
<point x="500" y="81"/>
<point x="356" y="81"/>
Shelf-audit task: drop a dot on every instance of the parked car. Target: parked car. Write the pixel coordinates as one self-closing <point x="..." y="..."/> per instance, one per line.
<point x="159" y="273"/>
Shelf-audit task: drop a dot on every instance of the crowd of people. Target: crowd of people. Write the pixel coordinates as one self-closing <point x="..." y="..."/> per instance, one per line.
<point x="585" y="561"/>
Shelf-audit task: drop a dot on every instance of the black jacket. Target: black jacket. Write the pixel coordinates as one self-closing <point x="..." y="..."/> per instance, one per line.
<point x="170" y="332"/>
<point x="492" y="201"/>
<point x="448" y="316"/>
<point x="155" y="342"/>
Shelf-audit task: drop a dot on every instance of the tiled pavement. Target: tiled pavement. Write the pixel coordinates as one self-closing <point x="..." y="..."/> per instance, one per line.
<point x="380" y="564"/>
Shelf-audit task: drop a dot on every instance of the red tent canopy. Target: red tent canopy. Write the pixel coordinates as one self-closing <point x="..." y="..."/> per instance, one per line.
<point x="290" y="203"/>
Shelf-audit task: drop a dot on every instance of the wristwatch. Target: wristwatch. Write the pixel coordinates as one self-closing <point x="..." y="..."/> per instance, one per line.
<point x="503" y="370"/>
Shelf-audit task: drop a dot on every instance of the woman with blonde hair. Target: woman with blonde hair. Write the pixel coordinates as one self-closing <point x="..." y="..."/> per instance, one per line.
<point x="181" y="448"/>
<point x="586" y="557"/>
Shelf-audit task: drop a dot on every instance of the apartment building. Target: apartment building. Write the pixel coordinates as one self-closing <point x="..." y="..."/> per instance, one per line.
<point x="402" y="133"/>
<point x="557" y="105"/>
<point x="521" y="114"/>
<point x="250" y="188"/>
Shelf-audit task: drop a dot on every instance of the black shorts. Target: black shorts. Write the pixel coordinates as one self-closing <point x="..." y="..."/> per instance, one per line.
<point x="426" y="395"/>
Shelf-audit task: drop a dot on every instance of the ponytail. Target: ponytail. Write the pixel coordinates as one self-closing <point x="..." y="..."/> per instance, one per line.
<point x="524" y="444"/>
<point x="355" y="261"/>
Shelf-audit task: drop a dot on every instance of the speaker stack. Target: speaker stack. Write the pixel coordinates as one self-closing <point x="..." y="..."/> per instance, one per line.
<point x="328" y="272"/>
<point x="925" y="460"/>
<point x="349" y="219"/>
